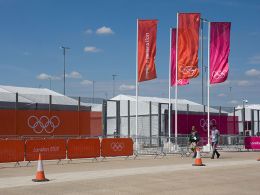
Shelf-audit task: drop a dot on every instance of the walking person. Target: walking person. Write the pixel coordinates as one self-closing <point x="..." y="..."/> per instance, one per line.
<point x="214" y="141"/>
<point x="194" y="139"/>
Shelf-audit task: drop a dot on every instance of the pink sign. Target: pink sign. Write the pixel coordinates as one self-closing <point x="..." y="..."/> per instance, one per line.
<point x="252" y="143"/>
<point x="227" y="125"/>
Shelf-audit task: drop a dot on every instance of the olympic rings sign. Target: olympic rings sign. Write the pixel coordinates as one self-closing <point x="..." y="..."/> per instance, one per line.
<point x="204" y="123"/>
<point x="219" y="74"/>
<point x="188" y="70"/>
<point x="117" y="147"/>
<point x="38" y="125"/>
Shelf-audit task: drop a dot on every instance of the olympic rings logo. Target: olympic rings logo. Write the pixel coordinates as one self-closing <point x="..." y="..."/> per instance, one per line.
<point x="38" y="125"/>
<point x="219" y="74"/>
<point x="188" y="70"/>
<point x="117" y="147"/>
<point x="204" y="123"/>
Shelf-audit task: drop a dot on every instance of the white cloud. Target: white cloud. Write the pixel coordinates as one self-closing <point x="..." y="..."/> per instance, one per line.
<point x="88" y="31"/>
<point x="222" y="95"/>
<point x="253" y="72"/>
<point x="86" y="82"/>
<point x="43" y="76"/>
<point x="91" y="49"/>
<point x="243" y="83"/>
<point x="124" y="87"/>
<point x="254" y="59"/>
<point x="74" y="75"/>
<point x="104" y="31"/>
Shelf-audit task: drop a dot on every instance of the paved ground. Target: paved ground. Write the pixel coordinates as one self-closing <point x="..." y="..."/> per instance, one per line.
<point x="234" y="173"/>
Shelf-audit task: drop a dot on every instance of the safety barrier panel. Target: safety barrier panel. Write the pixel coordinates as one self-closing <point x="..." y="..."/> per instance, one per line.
<point x="111" y="147"/>
<point x="83" y="148"/>
<point x="11" y="150"/>
<point x="50" y="149"/>
<point x="252" y="143"/>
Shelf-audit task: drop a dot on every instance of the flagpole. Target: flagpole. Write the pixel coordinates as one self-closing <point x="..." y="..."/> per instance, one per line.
<point x="176" y="81"/>
<point x="169" y="107"/>
<point x="208" y="80"/>
<point x="136" y="92"/>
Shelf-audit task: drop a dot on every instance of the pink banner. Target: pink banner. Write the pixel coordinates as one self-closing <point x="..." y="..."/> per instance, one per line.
<point x="227" y="125"/>
<point x="173" y="62"/>
<point x="252" y="143"/>
<point x="219" y="51"/>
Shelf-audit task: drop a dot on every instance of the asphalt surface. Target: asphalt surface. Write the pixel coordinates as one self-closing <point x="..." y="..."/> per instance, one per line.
<point x="234" y="173"/>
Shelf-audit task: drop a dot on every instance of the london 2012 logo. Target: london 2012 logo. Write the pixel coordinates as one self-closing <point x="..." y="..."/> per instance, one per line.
<point x="43" y="124"/>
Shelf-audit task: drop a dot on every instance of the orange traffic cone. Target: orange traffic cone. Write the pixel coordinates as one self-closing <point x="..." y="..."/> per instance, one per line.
<point x="258" y="159"/>
<point x="40" y="172"/>
<point x="198" y="161"/>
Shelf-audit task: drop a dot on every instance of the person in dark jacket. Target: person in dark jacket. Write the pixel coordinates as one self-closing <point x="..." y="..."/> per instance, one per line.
<point x="194" y="139"/>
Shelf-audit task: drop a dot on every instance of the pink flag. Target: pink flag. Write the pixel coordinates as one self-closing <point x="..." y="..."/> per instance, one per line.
<point x="173" y="62"/>
<point x="219" y="51"/>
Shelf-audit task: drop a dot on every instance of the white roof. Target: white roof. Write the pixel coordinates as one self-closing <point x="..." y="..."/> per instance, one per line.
<point x="34" y="95"/>
<point x="250" y="106"/>
<point x="153" y="99"/>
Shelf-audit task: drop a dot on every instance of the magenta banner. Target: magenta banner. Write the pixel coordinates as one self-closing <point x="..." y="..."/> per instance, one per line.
<point x="173" y="62"/>
<point x="227" y="125"/>
<point x="219" y="51"/>
<point x="252" y="143"/>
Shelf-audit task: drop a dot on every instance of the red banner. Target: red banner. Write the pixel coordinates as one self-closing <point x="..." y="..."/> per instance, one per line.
<point x="116" y="147"/>
<point x="50" y="149"/>
<point x="219" y="51"/>
<point x="83" y="148"/>
<point x="11" y="151"/>
<point x="147" y="30"/>
<point x="173" y="62"/>
<point x="188" y="45"/>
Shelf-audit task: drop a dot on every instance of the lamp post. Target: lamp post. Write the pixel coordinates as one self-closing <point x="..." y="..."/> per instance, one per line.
<point x="114" y="77"/>
<point x="64" y="57"/>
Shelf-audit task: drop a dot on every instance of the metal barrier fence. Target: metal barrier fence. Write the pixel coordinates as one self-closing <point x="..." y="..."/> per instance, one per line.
<point x="162" y="146"/>
<point x="58" y="149"/>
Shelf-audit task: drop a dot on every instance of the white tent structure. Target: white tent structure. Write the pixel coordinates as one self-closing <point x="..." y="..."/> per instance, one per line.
<point x="147" y="106"/>
<point x="31" y="96"/>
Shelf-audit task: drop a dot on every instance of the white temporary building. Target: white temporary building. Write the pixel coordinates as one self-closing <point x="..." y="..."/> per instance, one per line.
<point x="127" y="105"/>
<point x="29" y="96"/>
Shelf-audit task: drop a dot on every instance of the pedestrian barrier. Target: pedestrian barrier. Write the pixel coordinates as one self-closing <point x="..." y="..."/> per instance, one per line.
<point x="11" y="150"/>
<point x="50" y="149"/>
<point x="83" y="148"/>
<point x="111" y="147"/>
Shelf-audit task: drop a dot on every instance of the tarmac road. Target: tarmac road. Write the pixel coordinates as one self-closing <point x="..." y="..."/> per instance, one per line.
<point x="234" y="173"/>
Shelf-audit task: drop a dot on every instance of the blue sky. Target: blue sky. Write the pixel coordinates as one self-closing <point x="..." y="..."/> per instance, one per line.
<point x="102" y="38"/>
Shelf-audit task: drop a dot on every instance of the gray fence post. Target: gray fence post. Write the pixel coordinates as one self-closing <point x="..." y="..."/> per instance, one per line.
<point x="159" y="123"/>
<point x="50" y="102"/>
<point x="243" y="120"/>
<point x="252" y="122"/>
<point x="128" y="118"/>
<point x="258" y="122"/>
<point x="150" y="122"/>
<point x="104" y="117"/>
<point x="118" y="118"/>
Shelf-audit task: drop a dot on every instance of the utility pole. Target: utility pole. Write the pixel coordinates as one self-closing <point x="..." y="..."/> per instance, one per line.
<point x="64" y="72"/>
<point x="114" y="77"/>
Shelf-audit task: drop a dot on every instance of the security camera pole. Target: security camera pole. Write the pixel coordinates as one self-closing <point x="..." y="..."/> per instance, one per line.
<point x="64" y="54"/>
